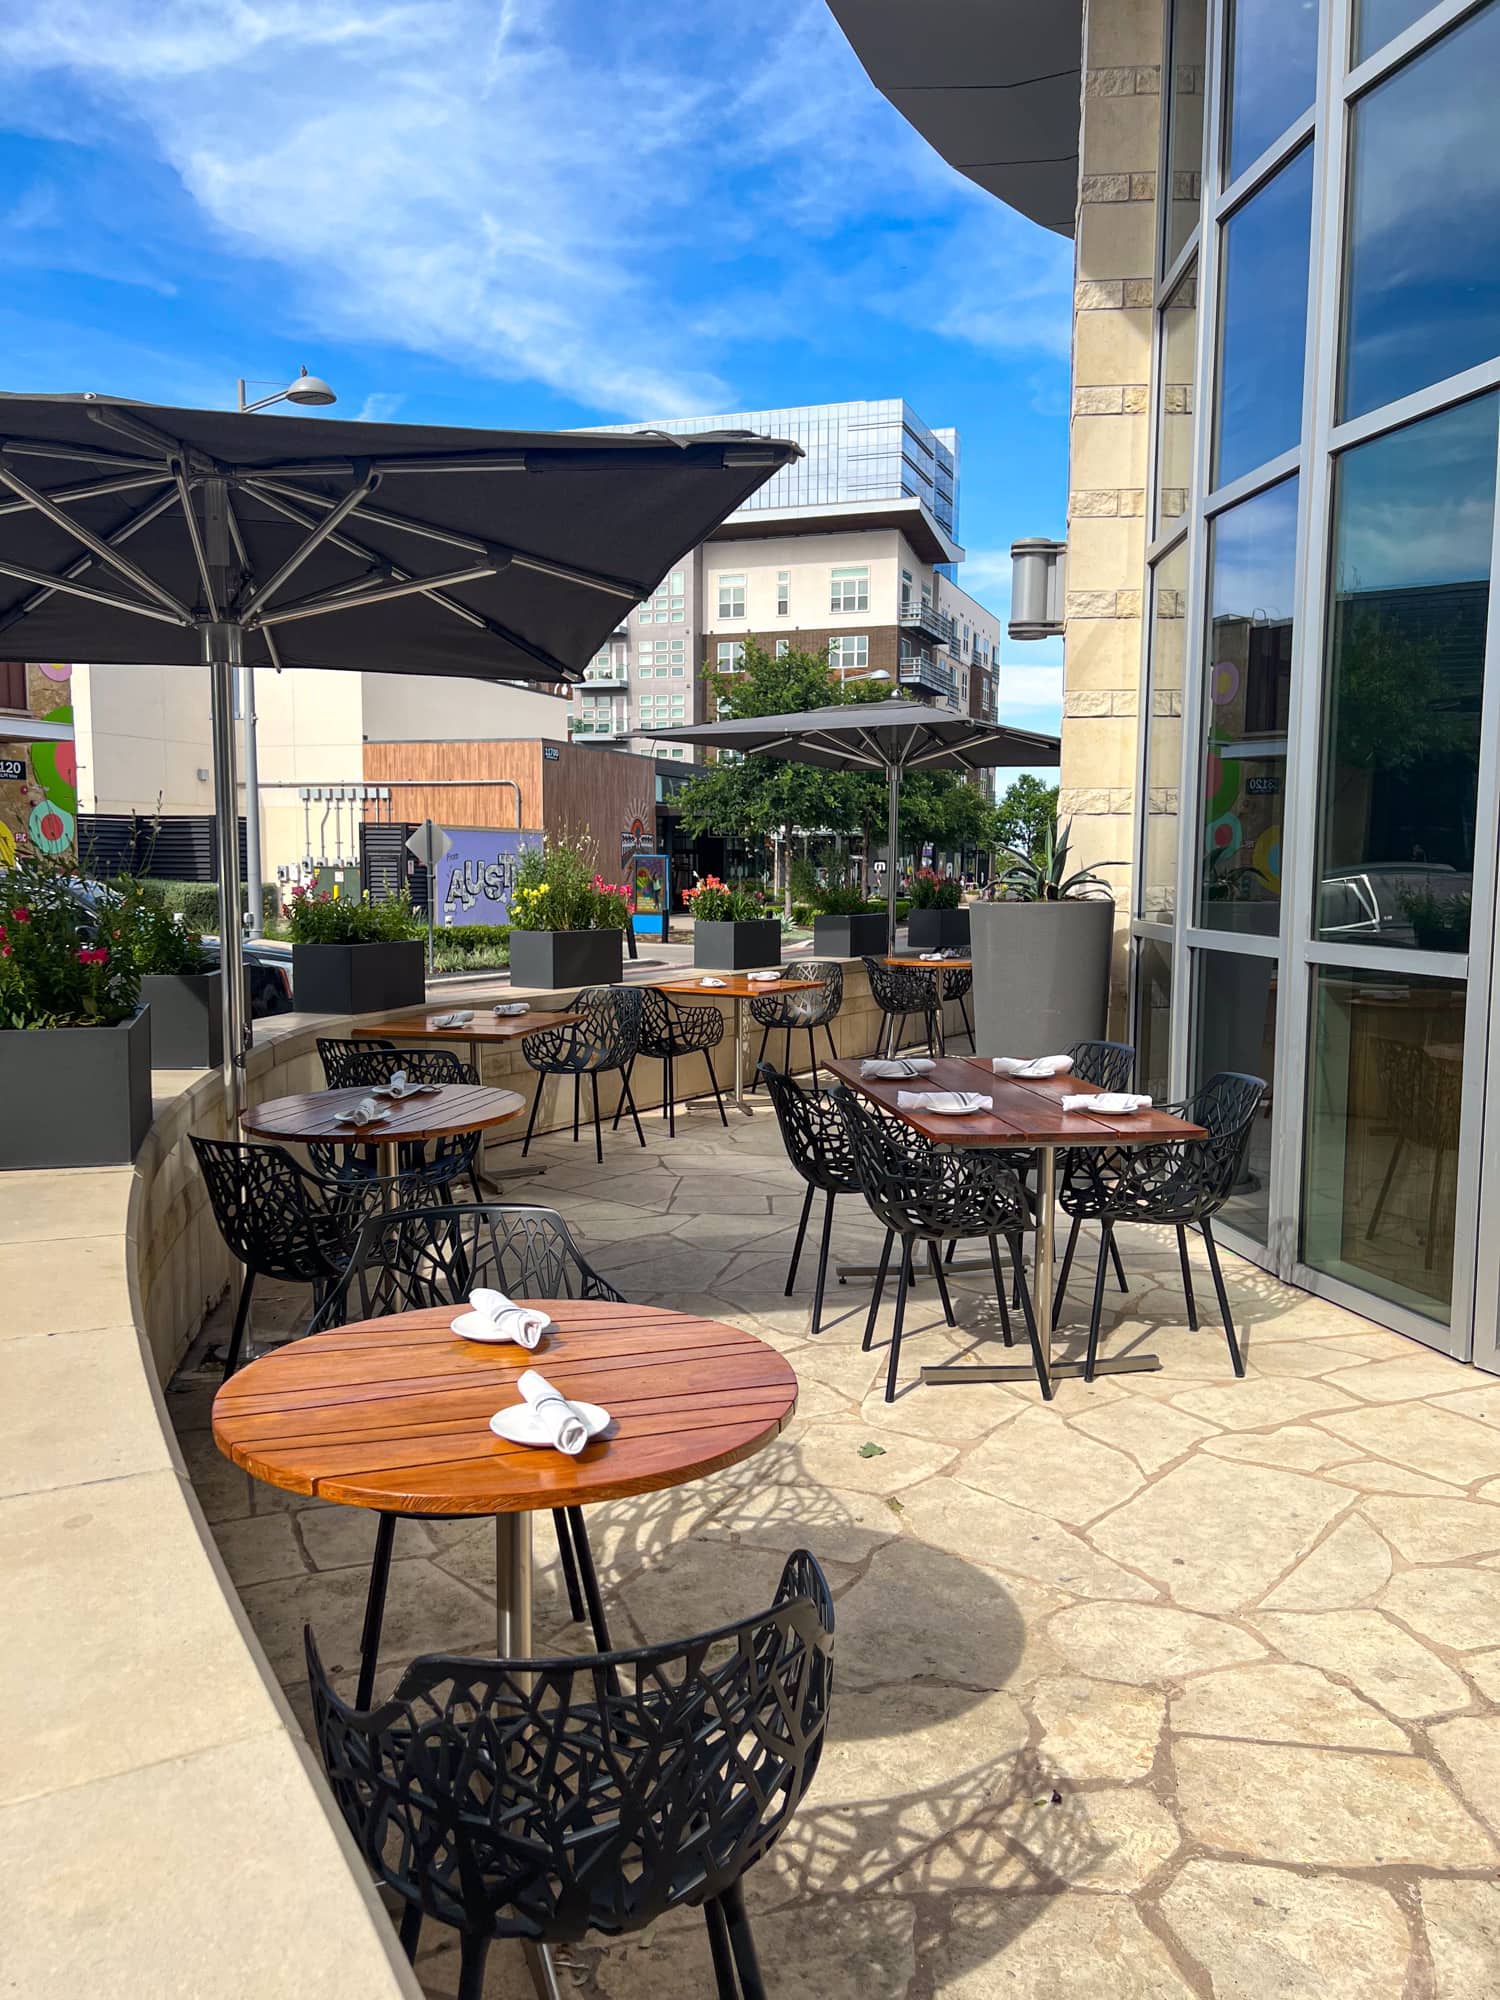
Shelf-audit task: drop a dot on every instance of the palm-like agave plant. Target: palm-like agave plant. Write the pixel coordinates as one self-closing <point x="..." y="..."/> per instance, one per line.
<point x="1045" y="879"/>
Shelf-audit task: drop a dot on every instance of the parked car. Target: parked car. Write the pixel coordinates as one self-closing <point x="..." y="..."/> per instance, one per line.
<point x="269" y="963"/>
<point x="1360" y="904"/>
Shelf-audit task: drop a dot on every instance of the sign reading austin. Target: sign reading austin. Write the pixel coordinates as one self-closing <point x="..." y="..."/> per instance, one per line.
<point x="477" y="875"/>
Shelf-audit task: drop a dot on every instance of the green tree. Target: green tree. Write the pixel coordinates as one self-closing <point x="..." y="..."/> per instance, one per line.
<point x="1025" y="815"/>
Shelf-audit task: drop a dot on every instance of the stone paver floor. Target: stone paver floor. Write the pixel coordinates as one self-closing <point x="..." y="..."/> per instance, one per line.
<point x="1182" y="1685"/>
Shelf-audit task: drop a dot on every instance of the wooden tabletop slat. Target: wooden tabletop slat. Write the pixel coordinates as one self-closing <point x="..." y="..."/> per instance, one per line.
<point x="919" y="964"/>
<point x="394" y="1412"/>
<point x="735" y="986"/>
<point x="436" y="1114"/>
<point x="1022" y="1114"/>
<point x="486" y="1026"/>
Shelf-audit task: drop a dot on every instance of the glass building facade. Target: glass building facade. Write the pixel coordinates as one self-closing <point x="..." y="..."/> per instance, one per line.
<point x="1316" y="829"/>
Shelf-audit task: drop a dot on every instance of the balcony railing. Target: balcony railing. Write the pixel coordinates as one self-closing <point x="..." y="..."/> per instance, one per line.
<point x="923" y="618"/>
<point x="922" y="670"/>
<point x="616" y="674"/>
<point x="582" y="725"/>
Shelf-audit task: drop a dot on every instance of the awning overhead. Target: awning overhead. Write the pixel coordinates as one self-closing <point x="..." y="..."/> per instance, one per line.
<point x="874" y="736"/>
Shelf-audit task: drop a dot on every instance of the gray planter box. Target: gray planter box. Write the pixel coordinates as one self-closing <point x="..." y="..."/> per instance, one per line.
<point x="187" y="1018"/>
<point x="566" y="958"/>
<point x="938" y="930"/>
<point x="735" y="947"/>
<point x="358" y="978"/>
<point x="1041" y="975"/>
<point x="862" y="936"/>
<point x="75" y="1097"/>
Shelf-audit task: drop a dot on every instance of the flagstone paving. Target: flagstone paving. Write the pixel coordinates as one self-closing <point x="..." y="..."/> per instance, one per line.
<point x="1181" y="1685"/>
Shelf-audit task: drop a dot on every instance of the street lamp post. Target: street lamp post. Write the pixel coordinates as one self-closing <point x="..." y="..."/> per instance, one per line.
<point x="311" y="392"/>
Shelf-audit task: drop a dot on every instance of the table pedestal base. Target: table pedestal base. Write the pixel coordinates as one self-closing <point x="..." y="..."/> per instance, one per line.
<point x="513" y="1642"/>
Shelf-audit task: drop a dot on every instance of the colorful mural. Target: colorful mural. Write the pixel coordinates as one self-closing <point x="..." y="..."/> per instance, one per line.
<point x="39" y="809"/>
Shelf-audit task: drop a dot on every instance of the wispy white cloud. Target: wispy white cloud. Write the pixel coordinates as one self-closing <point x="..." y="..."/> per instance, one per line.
<point x="549" y="191"/>
<point x="378" y="408"/>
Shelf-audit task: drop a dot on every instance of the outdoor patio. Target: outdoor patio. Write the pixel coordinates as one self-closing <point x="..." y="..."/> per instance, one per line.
<point x="1182" y="1685"/>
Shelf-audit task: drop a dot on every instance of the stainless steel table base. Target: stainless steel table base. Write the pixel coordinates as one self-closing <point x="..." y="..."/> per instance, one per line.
<point x="513" y="1642"/>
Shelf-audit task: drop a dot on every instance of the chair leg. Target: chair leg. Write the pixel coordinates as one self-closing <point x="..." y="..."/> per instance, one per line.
<point x="713" y="1077"/>
<point x="1385" y="1185"/>
<point x="823" y="1262"/>
<point x="1433" y="1193"/>
<point x="1038" y="1345"/>
<point x="670" y="1080"/>
<point x="833" y="1054"/>
<point x="726" y="1986"/>
<point x="786" y="1053"/>
<point x="577" y="1092"/>
<point x="411" y="1931"/>
<point x="942" y="1283"/>
<point x="1187" y="1278"/>
<point x="1067" y="1265"/>
<point x="812" y="1057"/>
<point x="474" y="1949"/>
<point x="629" y="1096"/>
<point x="380" y="1576"/>
<point x="877" y="1294"/>
<point x="791" y="1269"/>
<point x="241" y="1321"/>
<point x="1213" y="1264"/>
<point x="569" y="1566"/>
<point x="1091" y="1359"/>
<point x="1000" y="1290"/>
<point x="963" y="1011"/>
<point x="598" y="1134"/>
<point x="614" y="1123"/>
<point x="590" y="1580"/>
<point x="1114" y="1258"/>
<point x="901" y="1284"/>
<point x="733" y="1904"/>
<point x="765" y="1036"/>
<point x="536" y="1105"/>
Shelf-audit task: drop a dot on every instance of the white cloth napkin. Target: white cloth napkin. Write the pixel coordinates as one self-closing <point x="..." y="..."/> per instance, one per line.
<point x="772" y="972"/>
<point x="512" y="1006"/>
<point x="364" y="1113"/>
<point x="525" y="1325"/>
<point x="897" y="1066"/>
<point x="952" y="1103"/>
<point x="1034" y="1067"/>
<point x="1107" y="1102"/>
<point x="933" y="957"/>
<point x="397" y="1082"/>
<point x="710" y="982"/>
<point x="562" y="1423"/>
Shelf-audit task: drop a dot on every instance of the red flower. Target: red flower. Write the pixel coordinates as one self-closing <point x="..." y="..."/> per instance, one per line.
<point x="22" y="915"/>
<point x="93" y="955"/>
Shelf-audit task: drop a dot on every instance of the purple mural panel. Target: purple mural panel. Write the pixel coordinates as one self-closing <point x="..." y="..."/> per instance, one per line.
<point x="477" y="874"/>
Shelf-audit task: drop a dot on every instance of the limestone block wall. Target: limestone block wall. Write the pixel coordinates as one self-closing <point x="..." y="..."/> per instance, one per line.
<point x="1109" y="438"/>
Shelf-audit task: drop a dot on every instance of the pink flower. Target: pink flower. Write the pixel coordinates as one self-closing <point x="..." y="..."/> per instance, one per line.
<point x="93" y="955"/>
<point x="22" y="915"/>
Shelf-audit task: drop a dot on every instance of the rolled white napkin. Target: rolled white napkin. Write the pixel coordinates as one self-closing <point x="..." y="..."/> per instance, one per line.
<point x="769" y="972"/>
<point x="896" y="1066"/>
<point x="1034" y="1066"/>
<point x="365" y="1112"/>
<point x="933" y="957"/>
<point x="512" y="1006"/>
<point x="951" y="1103"/>
<point x="525" y="1325"/>
<point x="1107" y="1102"/>
<point x="398" y="1081"/>
<point x="710" y="982"/>
<point x="562" y="1423"/>
<point x="462" y="1016"/>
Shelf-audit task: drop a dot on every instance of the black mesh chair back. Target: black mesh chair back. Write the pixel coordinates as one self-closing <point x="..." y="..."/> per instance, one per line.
<point x="817" y="1144"/>
<point x="606" y="1038"/>
<point x="1110" y="1065"/>
<point x="407" y="1259"/>
<point x="672" y="1029"/>
<point x="924" y="1194"/>
<point x="361" y="1064"/>
<point x="903" y="990"/>
<point x="814" y="1007"/>
<point x="547" y="1799"/>
<point x="958" y="986"/>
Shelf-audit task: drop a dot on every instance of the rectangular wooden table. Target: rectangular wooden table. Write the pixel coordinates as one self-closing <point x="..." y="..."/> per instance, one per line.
<point x="420" y="1024"/>
<point x="738" y="987"/>
<point x="1024" y="1117"/>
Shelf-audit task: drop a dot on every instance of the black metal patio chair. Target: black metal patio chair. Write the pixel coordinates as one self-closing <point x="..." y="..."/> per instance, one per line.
<point x="817" y="1144"/>
<point x="281" y="1222"/>
<point x="604" y="1041"/>
<point x="816" y="1008"/>
<point x="1184" y="1182"/>
<point x="547" y="1799"/>
<point x="363" y="1064"/>
<point x="928" y="1194"/>
<point x="409" y="1259"/>
<point x="958" y="985"/>
<point x="672" y="1029"/>
<point x="902" y="992"/>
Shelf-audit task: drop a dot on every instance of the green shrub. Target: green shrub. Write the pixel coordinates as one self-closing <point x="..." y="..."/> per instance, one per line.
<point x="63" y="964"/>
<point x="715" y="902"/>
<point x="558" y="888"/>
<point x="159" y="940"/>
<point x="930" y="891"/>
<point x="351" y="919"/>
<point x="198" y="902"/>
<point x="471" y="947"/>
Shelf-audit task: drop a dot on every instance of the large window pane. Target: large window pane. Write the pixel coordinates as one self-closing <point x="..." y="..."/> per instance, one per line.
<point x="1185" y="120"/>
<point x="1411" y="563"/>
<point x="1263" y="323"/>
<point x="1382" y="1135"/>
<point x="1376" y="21"/>
<point x="1164" y="735"/>
<point x="1252" y="577"/>
<point x="1273" y="60"/>
<point x="1234" y="1013"/>
<point x="1422" y="297"/>
<point x="1153" y="1017"/>
<point x="1174" y="455"/>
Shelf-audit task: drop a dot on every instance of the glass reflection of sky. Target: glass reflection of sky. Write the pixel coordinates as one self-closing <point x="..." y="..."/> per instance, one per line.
<point x="1255" y="557"/>
<point x="1274" y="54"/>
<point x="1380" y="19"/>
<point x="1265" y="321"/>
<point x="1424" y="228"/>
<point x="1417" y="507"/>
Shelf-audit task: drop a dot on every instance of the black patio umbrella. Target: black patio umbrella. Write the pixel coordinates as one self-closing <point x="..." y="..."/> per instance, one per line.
<point x="889" y="736"/>
<point x="138" y="535"/>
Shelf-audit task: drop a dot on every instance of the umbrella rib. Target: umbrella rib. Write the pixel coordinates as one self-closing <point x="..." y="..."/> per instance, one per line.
<point x="195" y="536"/>
<point x="89" y="540"/>
<point x="314" y="540"/>
<point x="147" y="514"/>
<point x="69" y="588"/>
<point x="142" y="433"/>
<point x="80" y="455"/>
<point x="95" y="489"/>
<point x="376" y="517"/>
<point x="416" y="586"/>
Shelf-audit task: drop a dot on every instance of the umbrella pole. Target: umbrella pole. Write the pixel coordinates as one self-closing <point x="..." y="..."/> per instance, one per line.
<point x="222" y="650"/>
<point x="892" y="839"/>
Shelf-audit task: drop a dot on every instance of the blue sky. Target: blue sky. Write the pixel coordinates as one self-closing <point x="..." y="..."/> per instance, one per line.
<point x="532" y="213"/>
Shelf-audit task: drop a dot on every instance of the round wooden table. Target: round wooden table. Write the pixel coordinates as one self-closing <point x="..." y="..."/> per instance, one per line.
<point x="393" y="1414"/>
<point x="442" y="1113"/>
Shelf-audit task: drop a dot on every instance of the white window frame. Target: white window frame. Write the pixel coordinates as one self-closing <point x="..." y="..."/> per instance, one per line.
<point x="849" y="589"/>
<point x="731" y="594"/>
